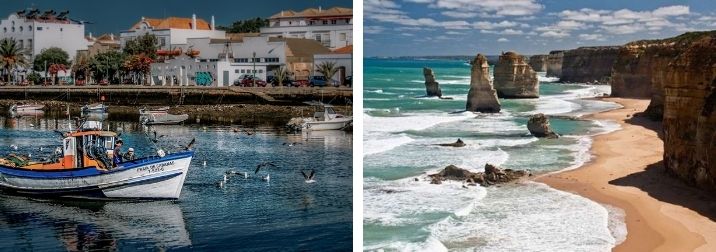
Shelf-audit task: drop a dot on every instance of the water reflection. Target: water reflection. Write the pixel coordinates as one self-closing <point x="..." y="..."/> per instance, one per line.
<point x="82" y="225"/>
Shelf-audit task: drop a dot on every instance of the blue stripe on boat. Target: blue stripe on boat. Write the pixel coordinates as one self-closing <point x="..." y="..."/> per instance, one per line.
<point x="132" y="182"/>
<point x="89" y="171"/>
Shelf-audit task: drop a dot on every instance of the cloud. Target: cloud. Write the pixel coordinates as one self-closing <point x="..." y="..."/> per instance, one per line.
<point x="455" y="14"/>
<point x="495" y="8"/>
<point x="555" y="34"/>
<point x="595" y="37"/>
<point x="368" y="29"/>
<point x="503" y="40"/>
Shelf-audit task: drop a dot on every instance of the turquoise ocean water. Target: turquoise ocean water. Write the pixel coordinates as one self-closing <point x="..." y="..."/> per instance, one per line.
<point x="400" y="128"/>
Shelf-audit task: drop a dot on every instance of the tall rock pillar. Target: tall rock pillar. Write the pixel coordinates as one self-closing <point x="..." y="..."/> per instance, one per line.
<point x="482" y="97"/>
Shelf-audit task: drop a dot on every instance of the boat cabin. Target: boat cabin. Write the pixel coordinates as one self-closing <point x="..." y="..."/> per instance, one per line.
<point x="328" y="114"/>
<point x="86" y="148"/>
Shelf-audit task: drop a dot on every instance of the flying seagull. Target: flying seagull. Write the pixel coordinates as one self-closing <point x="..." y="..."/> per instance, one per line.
<point x="188" y="146"/>
<point x="309" y="177"/>
<point x="258" y="167"/>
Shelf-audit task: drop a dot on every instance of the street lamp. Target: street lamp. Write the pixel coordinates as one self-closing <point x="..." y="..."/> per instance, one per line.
<point x="254" y="73"/>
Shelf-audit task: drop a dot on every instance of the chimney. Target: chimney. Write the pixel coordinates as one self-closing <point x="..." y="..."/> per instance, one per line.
<point x="90" y="35"/>
<point x="111" y="36"/>
<point x="319" y="9"/>
<point x="212" y="22"/>
<point x="143" y="19"/>
<point x="193" y="21"/>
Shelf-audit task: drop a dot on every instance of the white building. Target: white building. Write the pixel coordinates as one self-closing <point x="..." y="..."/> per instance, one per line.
<point x="35" y="31"/>
<point x="221" y="62"/>
<point x="172" y="31"/>
<point x="342" y="57"/>
<point x="333" y="27"/>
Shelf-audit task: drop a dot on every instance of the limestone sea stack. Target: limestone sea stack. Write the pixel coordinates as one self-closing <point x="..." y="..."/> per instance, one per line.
<point x="539" y="62"/>
<point x="538" y="125"/>
<point x="482" y="97"/>
<point x="554" y="64"/>
<point x="514" y="78"/>
<point x="431" y="86"/>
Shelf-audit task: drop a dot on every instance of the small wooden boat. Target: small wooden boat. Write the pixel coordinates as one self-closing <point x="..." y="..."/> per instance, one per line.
<point x="95" y="108"/>
<point x="82" y="168"/>
<point x="160" y="116"/>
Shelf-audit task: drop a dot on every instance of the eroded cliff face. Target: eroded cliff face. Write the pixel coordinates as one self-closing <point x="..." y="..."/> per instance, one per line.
<point x="514" y="78"/>
<point x="589" y="64"/>
<point x="539" y="62"/>
<point x="554" y="63"/>
<point x="689" y="87"/>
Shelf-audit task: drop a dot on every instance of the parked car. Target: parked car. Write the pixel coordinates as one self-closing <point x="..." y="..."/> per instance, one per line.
<point x="349" y="81"/>
<point x="320" y="81"/>
<point x="274" y="81"/>
<point x="248" y="81"/>
<point x="299" y="83"/>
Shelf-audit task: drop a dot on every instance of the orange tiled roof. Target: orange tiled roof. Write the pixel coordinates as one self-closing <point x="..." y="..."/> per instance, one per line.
<point x="173" y="22"/>
<point x="313" y="12"/>
<point x="345" y="49"/>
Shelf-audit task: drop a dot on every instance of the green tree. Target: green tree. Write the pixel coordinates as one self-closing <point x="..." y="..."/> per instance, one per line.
<point x="106" y="65"/>
<point x="146" y="45"/>
<point x="247" y="25"/>
<point x="81" y="67"/>
<point x="49" y="56"/>
<point x="328" y="69"/>
<point x="281" y="73"/>
<point x="11" y="57"/>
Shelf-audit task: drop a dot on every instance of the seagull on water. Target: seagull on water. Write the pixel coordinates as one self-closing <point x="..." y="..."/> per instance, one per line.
<point x="222" y="182"/>
<point x="14" y="147"/>
<point x="309" y="177"/>
<point x="267" y="178"/>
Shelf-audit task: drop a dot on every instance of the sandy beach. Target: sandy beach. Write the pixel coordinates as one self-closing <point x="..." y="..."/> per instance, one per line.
<point x="626" y="171"/>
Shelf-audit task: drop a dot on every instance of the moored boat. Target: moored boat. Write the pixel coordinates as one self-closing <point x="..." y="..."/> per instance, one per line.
<point x="26" y="107"/>
<point x="160" y="116"/>
<point x="95" y="108"/>
<point x="328" y="120"/>
<point x="81" y="168"/>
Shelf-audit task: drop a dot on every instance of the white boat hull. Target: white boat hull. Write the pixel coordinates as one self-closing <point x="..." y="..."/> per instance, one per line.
<point x="335" y="124"/>
<point x="152" y="178"/>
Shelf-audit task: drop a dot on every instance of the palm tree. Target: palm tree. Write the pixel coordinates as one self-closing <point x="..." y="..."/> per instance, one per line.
<point x="328" y="69"/>
<point x="11" y="57"/>
<point x="281" y="74"/>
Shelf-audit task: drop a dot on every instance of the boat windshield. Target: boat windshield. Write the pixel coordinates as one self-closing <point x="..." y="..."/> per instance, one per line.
<point x="330" y="110"/>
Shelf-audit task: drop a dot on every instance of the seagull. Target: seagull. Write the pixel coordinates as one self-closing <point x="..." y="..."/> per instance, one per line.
<point x="258" y="167"/>
<point x="188" y="146"/>
<point x="267" y="178"/>
<point x="292" y="144"/>
<point x="204" y="164"/>
<point x="156" y="139"/>
<point x="222" y="182"/>
<point x="246" y="174"/>
<point x="250" y="132"/>
<point x="309" y="178"/>
<point x="14" y="147"/>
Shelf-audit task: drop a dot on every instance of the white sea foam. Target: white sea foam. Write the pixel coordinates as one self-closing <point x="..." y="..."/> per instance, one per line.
<point x="405" y="201"/>
<point x="547" y="79"/>
<point x="378" y="145"/>
<point x="414" y="121"/>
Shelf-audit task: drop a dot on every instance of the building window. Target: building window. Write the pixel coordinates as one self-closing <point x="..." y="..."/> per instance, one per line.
<point x="21" y="29"/>
<point x="241" y="60"/>
<point x="311" y="22"/>
<point x="189" y="67"/>
<point x="261" y="70"/>
<point x="13" y="29"/>
<point x="162" y="41"/>
<point x="21" y="44"/>
<point x="325" y="22"/>
<point x="29" y="43"/>
<point x="236" y="71"/>
<point x="29" y="27"/>
<point x="60" y="29"/>
<point x="243" y="70"/>
<point x="342" y="37"/>
<point x="257" y="60"/>
<point x="318" y="37"/>
<point x="348" y="20"/>
<point x="271" y="59"/>
<point x="289" y="22"/>
<point x="333" y="21"/>
<point x="39" y="28"/>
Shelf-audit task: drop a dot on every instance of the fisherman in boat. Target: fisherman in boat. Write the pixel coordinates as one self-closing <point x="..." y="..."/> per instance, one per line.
<point x="129" y="156"/>
<point x="117" y="153"/>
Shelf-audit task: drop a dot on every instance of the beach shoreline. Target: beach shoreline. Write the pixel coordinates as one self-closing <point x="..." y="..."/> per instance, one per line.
<point x="626" y="171"/>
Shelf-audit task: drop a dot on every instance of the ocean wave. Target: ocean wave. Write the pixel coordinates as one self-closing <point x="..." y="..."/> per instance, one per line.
<point x="378" y="145"/>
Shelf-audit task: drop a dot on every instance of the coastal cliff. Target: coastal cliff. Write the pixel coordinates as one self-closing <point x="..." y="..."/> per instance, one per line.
<point x="538" y="62"/>
<point x="589" y="64"/>
<point x="514" y="78"/>
<point x="554" y="64"/>
<point x="679" y="74"/>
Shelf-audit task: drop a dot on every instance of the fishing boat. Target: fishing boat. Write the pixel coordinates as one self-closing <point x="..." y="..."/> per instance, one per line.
<point x="82" y="168"/>
<point x="327" y="120"/>
<point x="160" y="116"/>
<point x="95" y="108"/>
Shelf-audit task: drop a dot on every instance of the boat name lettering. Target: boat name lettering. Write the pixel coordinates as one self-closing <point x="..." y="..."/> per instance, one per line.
<point x="155" y="167"/>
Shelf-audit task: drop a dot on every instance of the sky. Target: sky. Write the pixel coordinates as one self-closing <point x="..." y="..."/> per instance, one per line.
<point x="466" y="27"/>
<point x="116" y="16"/>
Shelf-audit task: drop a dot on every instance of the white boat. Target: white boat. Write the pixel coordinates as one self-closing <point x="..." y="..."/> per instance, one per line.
<point x="26" y="107"/>
<point x="94" y="108"/>
<point x="82" y="169"/>
<point x="160" y="116"/>
<point x="327" y="120"/>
